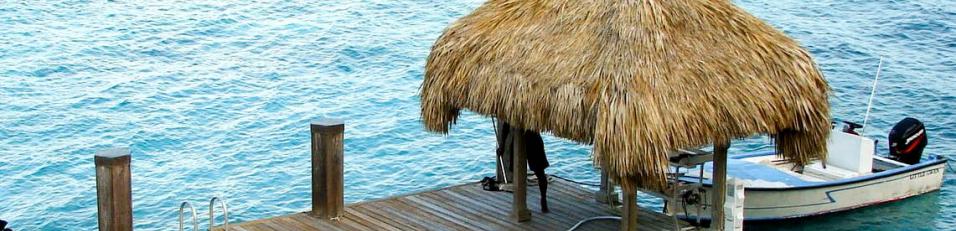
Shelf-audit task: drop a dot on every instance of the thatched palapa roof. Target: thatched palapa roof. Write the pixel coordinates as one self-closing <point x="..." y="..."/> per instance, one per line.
<point x="637" y="79"/>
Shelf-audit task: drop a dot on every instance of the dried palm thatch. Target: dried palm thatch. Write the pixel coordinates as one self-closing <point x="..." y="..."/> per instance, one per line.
<point x="637" y="79"/>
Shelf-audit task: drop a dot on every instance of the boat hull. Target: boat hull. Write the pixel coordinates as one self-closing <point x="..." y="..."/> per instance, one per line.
<point x="794" y="202"/>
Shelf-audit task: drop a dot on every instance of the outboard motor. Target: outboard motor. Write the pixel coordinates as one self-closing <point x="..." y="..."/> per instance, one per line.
<point x="907" y="141"/>
<point x="3" y="226"/>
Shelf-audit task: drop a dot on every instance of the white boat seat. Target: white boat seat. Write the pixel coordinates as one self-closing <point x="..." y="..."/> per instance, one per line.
<point x="831" y="172"/>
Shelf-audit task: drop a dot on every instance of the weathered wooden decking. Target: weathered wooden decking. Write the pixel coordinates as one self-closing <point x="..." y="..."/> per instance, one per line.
<point x="464" y="207"/>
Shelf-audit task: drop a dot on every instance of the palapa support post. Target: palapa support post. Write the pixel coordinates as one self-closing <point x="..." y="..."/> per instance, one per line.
<point x="519" y="210"/>
<point x="720" y="185"/>
<point x="630" y="210"/>
<point x="114" y="199"/>
<point x="327" y="185"/>
<point x="606" y="193"/>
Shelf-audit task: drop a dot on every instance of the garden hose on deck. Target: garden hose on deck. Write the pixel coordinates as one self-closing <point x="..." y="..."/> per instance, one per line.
<point x="593" y="219"/>
<point x="610" y="203"/>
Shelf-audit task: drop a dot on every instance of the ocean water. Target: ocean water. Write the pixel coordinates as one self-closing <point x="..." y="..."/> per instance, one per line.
<point x="215" y="99"/>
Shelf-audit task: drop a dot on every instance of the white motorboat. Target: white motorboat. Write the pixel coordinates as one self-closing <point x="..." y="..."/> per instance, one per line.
<point x="853" y="176"/>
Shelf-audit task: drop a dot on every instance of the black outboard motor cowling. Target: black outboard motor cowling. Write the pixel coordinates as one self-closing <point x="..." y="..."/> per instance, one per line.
<point x="3" y="226"/>
<point x="907" y="141"/>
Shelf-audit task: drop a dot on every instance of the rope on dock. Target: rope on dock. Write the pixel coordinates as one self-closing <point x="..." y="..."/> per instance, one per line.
<point x="576" y="182"/>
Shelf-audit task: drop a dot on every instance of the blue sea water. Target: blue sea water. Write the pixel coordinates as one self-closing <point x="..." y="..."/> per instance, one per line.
<point x="215" y="98"/>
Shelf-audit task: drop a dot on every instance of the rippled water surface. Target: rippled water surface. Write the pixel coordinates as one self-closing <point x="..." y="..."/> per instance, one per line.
<point x="215" y="99"/>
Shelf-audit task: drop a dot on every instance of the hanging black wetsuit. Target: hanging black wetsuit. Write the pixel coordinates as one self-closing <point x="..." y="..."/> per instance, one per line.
<point x="537" y="160"/>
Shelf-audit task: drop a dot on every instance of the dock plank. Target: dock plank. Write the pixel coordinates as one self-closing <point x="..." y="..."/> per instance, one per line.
<point x="464" y="207"/>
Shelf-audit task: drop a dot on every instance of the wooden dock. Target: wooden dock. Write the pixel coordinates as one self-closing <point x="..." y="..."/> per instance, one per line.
<point x="465" y="207"/>
<point x="460" y="207"/>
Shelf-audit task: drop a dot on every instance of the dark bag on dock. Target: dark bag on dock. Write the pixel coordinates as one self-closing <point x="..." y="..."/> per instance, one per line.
<point x="489" y="184"/>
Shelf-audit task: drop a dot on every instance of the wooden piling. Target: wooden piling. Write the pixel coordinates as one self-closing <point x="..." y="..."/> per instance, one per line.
<point x="328" y="200"/>
<point x="519" y="210"/>
<point x="630" y="210"/>
<point x="114" y="201"/>
<point x="605" y="193"/>
<point x="719" y="192"/>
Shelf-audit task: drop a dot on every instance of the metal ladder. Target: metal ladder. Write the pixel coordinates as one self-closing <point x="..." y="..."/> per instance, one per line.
<point x="182" y="208"/>
<point x="212" y="214"/>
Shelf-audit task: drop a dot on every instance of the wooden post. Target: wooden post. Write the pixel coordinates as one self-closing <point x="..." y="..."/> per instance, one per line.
<point x="328" y="200"/>
<point x="519" y="209"/>
<point x="605" y="193"/>
<point x="114" y="200"/>
<point x="719" y="181"/>
<point x="629" y="215"/>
